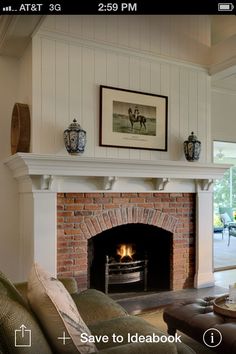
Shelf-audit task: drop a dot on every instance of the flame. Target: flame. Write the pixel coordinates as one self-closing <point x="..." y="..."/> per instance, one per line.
<point x="125" y="250"/>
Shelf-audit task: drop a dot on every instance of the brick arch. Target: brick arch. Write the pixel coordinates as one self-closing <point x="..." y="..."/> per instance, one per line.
<point x="83" y="216"/>
<point x="126" y="215"/>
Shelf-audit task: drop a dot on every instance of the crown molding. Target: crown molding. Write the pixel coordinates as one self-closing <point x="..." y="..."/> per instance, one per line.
<point x="15" y="33"/>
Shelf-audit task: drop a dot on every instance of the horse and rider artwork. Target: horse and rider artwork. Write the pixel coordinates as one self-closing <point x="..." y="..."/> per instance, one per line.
<point x="134" y="118"/>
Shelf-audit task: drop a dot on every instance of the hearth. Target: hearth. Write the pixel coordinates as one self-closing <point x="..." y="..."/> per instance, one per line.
<point x="130" y="257"/>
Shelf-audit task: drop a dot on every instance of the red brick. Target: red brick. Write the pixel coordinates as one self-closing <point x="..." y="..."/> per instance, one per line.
<point x="137" y="200"/>
<point x="96" y="225"/>
<point x="84" y="200"/>
<point x="92" y="207"/>
<point x="118" y="216"/>
<point x="72" y="232"/>
<point x="74" y="207"/>
<point x="126" y="195"/>
<point x="90" y="226"/>
<point x="93" y="195"/>
<point x="130" y="215"/>
<point x="120" y="200"/>
<point x="108" y="195"/>
<point x="145" y="205"/>
<point x="102" y="200"/>
<point x="109" y="206"/>
<point x="84" y="230"/>
<point x="107" y="220"/>
<point x="72" y="195"/>
<point x="143" y="195"/>
<point x="65" y="213"/>
<point x="101" y="222"/>
<point x="112" y="216"/>
<point x="74" y="219"/>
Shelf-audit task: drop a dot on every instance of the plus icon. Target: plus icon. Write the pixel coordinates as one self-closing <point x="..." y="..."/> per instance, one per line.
<point x="63" y="338"/>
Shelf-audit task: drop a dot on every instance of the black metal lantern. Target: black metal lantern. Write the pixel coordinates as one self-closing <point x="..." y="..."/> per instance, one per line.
<point x="75" y="138"/>
<point x="192" y="148"/>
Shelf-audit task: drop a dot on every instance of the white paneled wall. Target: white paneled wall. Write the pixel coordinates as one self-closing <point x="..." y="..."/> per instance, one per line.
<point x="74" y="55"/>
<point x="182" y="37"/>
<point x="223" y="114"/>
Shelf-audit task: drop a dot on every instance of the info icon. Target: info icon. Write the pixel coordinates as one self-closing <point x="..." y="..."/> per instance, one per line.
<point x="212" y="337"/>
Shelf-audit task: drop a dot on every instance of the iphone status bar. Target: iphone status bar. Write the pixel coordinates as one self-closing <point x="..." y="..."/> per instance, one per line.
<point x="138" y="7"/>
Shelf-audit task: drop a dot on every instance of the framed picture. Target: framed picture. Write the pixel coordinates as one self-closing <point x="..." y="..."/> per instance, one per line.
<point x="132" y="119"/>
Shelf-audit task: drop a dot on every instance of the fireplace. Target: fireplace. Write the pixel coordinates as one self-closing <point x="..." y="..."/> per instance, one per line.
<point x="160" y="226"/>
<point x="56" y="226"/>
<point x="128" y="244"/>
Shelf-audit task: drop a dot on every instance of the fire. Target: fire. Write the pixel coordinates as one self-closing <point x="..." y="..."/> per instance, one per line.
<point x="126" y="252"/>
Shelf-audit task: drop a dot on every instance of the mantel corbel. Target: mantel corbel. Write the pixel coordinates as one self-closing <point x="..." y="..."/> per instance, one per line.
<point x="205" y="184"/>
<point x="161" y="183"/>
<point x="108" y="182"/>
<point x="46" y="182"/>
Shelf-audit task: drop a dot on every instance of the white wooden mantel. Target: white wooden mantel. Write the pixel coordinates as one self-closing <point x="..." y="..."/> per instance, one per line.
<point x="41" y="177"/>
<point x="46" y="170"/>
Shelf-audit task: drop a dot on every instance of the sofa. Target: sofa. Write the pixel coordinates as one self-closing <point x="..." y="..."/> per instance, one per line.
<point x="102" y="315"/>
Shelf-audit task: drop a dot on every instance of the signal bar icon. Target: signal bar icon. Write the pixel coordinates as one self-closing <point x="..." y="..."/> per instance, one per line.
<point x="7" y="8"/>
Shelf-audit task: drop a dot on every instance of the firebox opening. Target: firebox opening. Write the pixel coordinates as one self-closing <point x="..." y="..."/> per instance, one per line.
<point x="127" y="243"/>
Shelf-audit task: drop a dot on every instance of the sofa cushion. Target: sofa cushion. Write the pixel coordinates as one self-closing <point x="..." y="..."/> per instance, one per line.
<point x="95" y="306"/>
<point x="57" y="312"/>
<point x="131" y="325"/>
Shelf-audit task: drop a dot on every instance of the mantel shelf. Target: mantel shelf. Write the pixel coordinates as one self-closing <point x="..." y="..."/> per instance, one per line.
<point x="29" y="164"/>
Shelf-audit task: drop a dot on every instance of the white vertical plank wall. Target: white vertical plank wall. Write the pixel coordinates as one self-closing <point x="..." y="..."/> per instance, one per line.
<point x="77" y="54"/>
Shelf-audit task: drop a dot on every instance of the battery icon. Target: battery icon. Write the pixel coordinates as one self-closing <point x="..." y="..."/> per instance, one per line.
<point x="225" y="6"/>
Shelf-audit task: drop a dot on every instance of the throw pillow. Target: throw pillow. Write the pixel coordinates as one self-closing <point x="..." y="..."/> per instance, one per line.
<point x="57" y="313"/>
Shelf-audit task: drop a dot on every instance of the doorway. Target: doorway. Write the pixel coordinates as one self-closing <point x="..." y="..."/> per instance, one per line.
<point x="224" y="197"/>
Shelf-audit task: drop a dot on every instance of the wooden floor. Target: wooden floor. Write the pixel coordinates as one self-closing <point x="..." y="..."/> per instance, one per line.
<point x="138" y="302"/>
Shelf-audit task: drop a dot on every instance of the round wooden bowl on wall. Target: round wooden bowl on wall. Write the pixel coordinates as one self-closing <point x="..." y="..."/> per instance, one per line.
<point x="20" y="128"/>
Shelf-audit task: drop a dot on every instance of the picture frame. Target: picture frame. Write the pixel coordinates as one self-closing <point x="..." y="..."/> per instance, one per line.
<point x="133" y="119"/>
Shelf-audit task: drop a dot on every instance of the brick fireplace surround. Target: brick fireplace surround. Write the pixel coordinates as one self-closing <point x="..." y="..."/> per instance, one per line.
<point x="81" y="216"/>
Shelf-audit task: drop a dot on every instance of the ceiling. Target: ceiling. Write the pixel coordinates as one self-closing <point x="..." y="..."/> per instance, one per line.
<point x="15" y="33"/>
<point x="227" y="82"/>
<point x="223" y="28"/>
